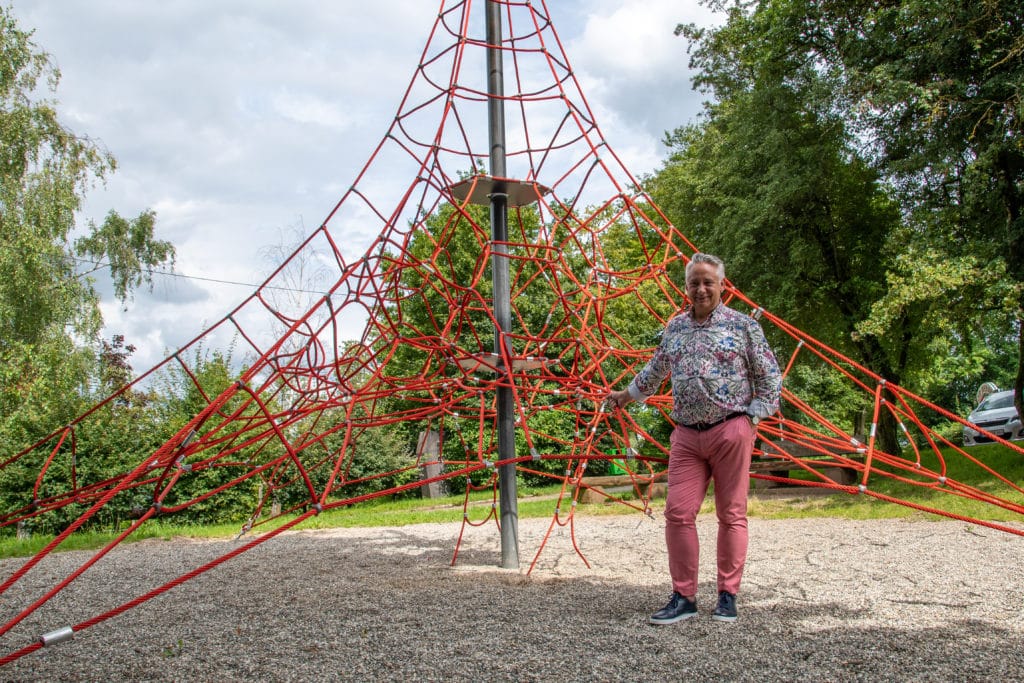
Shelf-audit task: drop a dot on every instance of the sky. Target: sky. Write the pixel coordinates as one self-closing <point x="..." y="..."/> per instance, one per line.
<point x="226" y="118"/>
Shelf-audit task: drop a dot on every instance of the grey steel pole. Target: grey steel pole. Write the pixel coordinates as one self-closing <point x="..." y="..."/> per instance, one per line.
<point x="508" y="497"/>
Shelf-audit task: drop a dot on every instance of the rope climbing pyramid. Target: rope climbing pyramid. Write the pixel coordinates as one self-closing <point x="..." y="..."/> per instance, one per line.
<point x="593" y="274"/>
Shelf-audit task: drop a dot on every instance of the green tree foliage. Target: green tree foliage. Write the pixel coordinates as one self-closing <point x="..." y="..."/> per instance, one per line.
<point x="770" y="182"/>
<point x="177" y="396"/>
<point x="53" y="365"/>
<point x="49" y="311"/>
<point x="808" y="177"/>
<point x="442" y="294"/>
<point x="375" y="459"/>
<point x="88" y="456"/>
<point x="443" y="309"/>
<point x="129" y="247"/>
<point x="937" y="87"/>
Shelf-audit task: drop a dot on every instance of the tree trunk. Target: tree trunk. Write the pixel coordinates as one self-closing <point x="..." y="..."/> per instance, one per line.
<point x="1009" y="171"/>
<point x="886" y="431"/>
<point x="1018" y="383"/>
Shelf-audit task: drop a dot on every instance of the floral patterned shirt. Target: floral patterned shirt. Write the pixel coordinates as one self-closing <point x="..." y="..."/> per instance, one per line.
<point x="721" y="366"/>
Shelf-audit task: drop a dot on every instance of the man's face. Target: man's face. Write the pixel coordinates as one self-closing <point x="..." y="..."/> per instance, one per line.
<point x="704" y="288"/>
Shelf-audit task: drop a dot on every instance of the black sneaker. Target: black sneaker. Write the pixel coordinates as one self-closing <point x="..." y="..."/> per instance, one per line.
<point x="726" y="610"/>
<point x="677" y="609"/>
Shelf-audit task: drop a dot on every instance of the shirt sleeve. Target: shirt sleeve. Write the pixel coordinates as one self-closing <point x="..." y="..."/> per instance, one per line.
<point x="765" y="377"/>
<point x="646" y="382"/>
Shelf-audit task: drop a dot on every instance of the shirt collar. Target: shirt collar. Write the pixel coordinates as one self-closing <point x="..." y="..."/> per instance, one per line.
<point x="711" y="316"/>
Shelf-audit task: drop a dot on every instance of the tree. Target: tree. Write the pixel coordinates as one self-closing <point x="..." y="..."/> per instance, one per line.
<point x="937" y="89"/>
<point x="438" y="299"/>
<point x="49" y="311"/>
<point x="442" y="294"/>
<point x="770" y="182"/>
<point x="783" y="170"/>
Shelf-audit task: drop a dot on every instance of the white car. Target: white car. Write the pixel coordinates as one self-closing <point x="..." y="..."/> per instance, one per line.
<point x="997" y="415"/>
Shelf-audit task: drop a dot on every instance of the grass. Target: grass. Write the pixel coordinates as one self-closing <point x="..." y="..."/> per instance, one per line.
<point x="924" y="492"/>
<point x="541" y="503"/>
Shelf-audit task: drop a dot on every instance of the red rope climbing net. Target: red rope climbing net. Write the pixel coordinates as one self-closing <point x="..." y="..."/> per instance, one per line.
<point x="593" y="269"/>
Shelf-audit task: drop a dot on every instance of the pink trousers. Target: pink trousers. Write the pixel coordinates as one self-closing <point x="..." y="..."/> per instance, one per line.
<point x="720" y="454"/>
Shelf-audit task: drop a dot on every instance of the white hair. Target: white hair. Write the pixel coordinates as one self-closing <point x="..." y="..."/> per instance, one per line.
<point x="700" y="257"/>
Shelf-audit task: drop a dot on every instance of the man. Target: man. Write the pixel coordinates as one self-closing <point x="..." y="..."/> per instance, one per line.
<point x="725" y="379"/>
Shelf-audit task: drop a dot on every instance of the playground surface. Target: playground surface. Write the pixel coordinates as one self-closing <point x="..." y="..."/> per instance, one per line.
<point x="822" y="599"/>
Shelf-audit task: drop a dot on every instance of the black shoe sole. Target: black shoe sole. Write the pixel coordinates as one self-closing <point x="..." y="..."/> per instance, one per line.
<point x="673" y="620"/>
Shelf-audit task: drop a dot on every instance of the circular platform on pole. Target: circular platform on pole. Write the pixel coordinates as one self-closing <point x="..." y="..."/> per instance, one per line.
<point x="479" y="188"/>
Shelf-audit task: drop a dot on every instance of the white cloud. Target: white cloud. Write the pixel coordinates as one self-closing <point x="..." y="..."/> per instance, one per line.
<point x="308" y="108"/>
<point x="237" y="118"/>
<point x="641" y="33"/>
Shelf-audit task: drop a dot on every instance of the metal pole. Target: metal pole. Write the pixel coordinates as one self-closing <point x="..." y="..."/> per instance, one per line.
<point x="508" y="497"/>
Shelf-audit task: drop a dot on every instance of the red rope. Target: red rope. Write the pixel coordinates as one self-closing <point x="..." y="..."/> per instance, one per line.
<point x="589" y="260"/>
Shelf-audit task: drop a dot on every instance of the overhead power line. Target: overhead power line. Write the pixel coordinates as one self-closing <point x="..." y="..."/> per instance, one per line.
<point x="101" y="265"/>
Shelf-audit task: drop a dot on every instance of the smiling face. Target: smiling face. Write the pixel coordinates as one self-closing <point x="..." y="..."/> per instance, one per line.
<point x="704" y="287"/>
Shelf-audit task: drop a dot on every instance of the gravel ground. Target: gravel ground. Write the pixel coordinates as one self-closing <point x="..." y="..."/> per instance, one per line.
<point x="823" y="600"/>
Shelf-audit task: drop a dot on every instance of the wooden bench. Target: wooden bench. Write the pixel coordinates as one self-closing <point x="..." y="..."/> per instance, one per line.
<point x="829" y="465"/>
<point x="595" y="488"/>
<point x="779" y="467"/>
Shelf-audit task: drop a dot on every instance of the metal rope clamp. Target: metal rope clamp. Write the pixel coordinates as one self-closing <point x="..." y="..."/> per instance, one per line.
<point x="58" y="636"/>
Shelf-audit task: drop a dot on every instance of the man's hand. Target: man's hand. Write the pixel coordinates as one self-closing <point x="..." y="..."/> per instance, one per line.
<point x="619" y="399"/>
